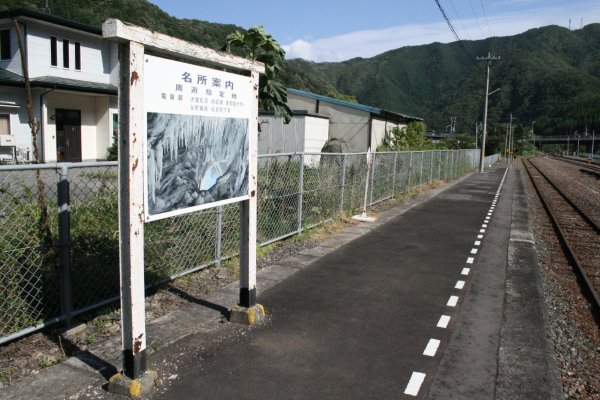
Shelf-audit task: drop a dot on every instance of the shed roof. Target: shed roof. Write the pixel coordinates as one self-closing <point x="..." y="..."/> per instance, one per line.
<point x="385" y="114"/>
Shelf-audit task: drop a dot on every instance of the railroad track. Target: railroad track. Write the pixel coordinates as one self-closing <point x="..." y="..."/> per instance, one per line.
<point x="579" y="234"/>
<point x="586" y="164"/>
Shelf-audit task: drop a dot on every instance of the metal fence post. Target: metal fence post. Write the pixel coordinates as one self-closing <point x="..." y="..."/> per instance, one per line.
<point x="422" y="166"/>
<point x="409" y="170"/>
<point x="372" y="176"/>
<point x="64" y="243"/>
<point x="219" y="235"/>
<point x="431" y="166"/>
<point x="300" y="192"/>
<point x="394" y="174"/>
<point x="343" y="184"/>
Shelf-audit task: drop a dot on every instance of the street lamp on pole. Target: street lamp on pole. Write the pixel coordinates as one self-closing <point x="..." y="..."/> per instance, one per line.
<point x="532" y="133"/>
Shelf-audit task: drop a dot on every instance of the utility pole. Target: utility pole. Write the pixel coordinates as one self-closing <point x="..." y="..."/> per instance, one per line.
<point x="510" y="139"/>
<point x="476" y="129"/>
<point x="489" y="59"/>
<point x="506" y="143"/>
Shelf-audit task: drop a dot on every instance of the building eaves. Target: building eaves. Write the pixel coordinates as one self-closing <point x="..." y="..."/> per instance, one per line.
<point x="398" y="117"/>
<point x="8" y="78"/>
<point x="53" y="82"/>
<point x="16" y="13"/>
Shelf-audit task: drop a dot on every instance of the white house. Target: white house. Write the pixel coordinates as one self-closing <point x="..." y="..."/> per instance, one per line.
<point x="74" y="79"/>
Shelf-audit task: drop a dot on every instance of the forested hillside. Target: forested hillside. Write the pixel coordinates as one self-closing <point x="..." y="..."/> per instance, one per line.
<point x="550" y="75"/>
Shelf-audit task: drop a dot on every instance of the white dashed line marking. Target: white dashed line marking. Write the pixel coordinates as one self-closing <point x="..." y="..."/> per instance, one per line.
<point x="484" y="226"/>
<point x="482" y="231"/>
<point x="465" y="271"/>
<point x="459" y="285"/>
<point x="470" y="260"/>
<point x="414" y="384"/>
<point x="479" y="236"/>
<point x="452" y="301"/>
<point x="443" y="322"/>
<point x="431" y="348"/>
<point x="477" y="243"/>
<point x="473" y="251"/>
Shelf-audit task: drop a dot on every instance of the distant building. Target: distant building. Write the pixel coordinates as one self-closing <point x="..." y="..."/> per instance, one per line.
<point x="74" y="79"/>
<point x="319" y="119"/>
<point x="437" y="137"/>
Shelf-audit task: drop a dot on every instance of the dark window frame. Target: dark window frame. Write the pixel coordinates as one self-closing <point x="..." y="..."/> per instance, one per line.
<point x="7" y="116"/>
<point x="78" y="56"/>
<point x="54" y="51"/>
<point x="65" y="51"/>
<point x="5" y="50"/>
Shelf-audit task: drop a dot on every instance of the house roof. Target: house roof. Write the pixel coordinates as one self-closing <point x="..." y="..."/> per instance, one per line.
<point x="389" y="115"/>
<point x="52" y="82"/>
<point x="50" y="19"/>
<point x="10" y="78"/>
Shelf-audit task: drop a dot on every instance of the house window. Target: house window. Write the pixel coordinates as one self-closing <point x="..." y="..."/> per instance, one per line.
<point x="78" y="56"/>
<point x="66" y="53"/>
<point x="5" y="44"/>
<point x="53" y="52"/>
<point x="4" y="124"/>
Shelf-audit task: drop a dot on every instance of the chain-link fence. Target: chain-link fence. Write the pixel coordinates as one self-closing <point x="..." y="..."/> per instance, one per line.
<point x="59" y="244"/>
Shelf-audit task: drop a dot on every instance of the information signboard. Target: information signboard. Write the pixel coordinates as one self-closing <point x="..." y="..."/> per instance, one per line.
<point x="197" y="137"/>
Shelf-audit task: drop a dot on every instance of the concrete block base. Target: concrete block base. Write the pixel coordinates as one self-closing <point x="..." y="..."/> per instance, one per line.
<point x="132" y="388"/>
<point x="247" y="316"/>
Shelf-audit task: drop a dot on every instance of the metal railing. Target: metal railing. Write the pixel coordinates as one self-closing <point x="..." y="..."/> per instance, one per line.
<point x="59" y="224"/>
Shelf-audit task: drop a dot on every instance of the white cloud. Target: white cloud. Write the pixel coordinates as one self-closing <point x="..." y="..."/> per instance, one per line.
<point x="369" y="43"/>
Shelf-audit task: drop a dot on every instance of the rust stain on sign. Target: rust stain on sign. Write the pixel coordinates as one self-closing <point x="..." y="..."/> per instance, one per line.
<point x="253" y="193"/>
<point x="134" y="78"/>
<point x="135" y="164"/>
<point x="137" y="344"/>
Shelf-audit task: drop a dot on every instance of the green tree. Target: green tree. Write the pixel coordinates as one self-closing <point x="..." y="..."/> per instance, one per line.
<point x="258" y="45"/>
<point x="409" y="137"/>
<point x="462" y="141"/>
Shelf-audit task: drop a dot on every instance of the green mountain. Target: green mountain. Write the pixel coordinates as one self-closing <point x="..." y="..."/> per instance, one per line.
<point x="550" y="75"/>
<point x="138" y="12"/>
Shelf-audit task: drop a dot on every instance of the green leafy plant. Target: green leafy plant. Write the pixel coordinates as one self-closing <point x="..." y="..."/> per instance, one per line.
<point x="258" y="45"/>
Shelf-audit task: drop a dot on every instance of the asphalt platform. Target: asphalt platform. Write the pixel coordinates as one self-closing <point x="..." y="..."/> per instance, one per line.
<point x="438" y="299"/>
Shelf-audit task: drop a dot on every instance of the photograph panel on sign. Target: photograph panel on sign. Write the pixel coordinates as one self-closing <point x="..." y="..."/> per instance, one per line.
<point x="194" y="161"/>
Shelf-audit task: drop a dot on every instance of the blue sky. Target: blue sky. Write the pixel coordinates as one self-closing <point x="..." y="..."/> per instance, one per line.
<point x="336" y="30"/>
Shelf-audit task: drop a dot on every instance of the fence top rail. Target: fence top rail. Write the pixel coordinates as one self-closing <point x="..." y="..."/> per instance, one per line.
<point x="57" y="166"/>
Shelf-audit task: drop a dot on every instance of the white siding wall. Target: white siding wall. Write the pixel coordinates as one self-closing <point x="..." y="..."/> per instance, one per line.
<point x="14" y="64"/>
<point x="95" y="54"/>
<point x="19" y="127"/>
<point x="316" y="134"/>
<point x="347" y="124"/>
<point x="277" y="137"/>
<point x="89" y="125"/>
<point x="378" y="129"/>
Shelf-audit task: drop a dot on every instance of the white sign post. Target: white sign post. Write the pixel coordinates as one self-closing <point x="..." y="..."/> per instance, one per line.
<point x="187" y="141"/>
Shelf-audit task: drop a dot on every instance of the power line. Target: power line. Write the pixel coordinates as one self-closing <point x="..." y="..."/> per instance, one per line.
<point x="460" y="20"/>
<point x="476" y="18"/>
<point x="485" y="16"/>
<point x="460" y="42"/>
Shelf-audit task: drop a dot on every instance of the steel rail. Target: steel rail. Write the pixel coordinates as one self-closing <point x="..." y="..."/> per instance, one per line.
<point x="584" y="280"/>
<point x="579" y="211"/>
<point x="589" y="165"/>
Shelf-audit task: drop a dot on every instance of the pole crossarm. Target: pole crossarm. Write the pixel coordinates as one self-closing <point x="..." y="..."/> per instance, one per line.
<point x="119" y="31"/>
